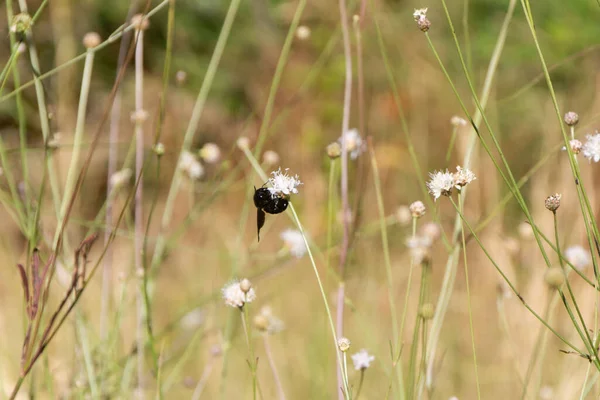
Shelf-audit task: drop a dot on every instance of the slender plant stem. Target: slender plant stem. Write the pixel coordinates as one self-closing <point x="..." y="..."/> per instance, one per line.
<point x="276" y="377"/>
<point x="203" y="379"/>
<point x="252" y="359"/>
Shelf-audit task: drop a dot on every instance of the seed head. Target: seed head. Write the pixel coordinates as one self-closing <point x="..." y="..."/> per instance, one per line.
<point x="334" y="150"/>
<point x="571" y="118"/>
<point x="554" y="277"/>
<point x="420" y="17"/>
<point x="343" y="344"/>
<point x="417" y="209"/>
<point x="553" y="202"/>
<point x="91" y="40"/>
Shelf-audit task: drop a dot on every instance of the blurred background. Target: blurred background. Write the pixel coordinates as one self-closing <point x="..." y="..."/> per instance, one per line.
<point x="212" y="232"/>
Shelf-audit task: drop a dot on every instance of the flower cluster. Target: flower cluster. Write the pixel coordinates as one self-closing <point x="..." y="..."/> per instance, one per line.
<point x="238" y="293"/>
<point x="190" y="165"/>
<point x="283" y="184"/>
<point x="443" y="182"/>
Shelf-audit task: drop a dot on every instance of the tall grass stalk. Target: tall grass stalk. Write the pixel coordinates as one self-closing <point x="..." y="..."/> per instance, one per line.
<point x="271" y="360"/>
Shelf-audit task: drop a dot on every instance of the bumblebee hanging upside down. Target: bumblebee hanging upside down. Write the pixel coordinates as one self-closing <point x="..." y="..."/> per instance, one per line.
<point x="267" y="202"/>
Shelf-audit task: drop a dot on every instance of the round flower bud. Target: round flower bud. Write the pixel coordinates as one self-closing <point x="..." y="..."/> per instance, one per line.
<point x="576" y="146"/>
<point x="420" y="17"/>
<point x="334" y="150"/>
<point x="426" y="311"/>
<point x="140" y="22"/>
<point x="245" y="285"/>
<point x="344" y="344"/>
<point x="180" y="77"/>
<point x="270" y="158"/>
<point x="210" y="153"/>
<point x="91" y="40"/>
<point x="159" y="149"/>
<point x="243" y="142"/>
<point x="571" y="118"/>
<point x="553" y="202"/>
<point x="261" y="322"/>
<point x="20" y="24"/>
<point x="417" y="209"/>
<point x="303" y="32"/>
<point x="554" y="277"/>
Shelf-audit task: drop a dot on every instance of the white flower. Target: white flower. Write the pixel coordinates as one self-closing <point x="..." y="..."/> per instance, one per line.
<point x="190" y="165"/>
<point x="441" y="184"/>
<point x="362" y="360"/>
<point x="591" y="148"/>
<point x="404" y="215"/>
<point x="462" y="177"/>
<point x="210" y="153"/>
<point x="270" y="157"/>
<point x="420" y="14"/>
<point x="419" y="248"/>
<point x="457" y="121"/>
<point x="120" y="178"/>
<point x="294" y="242"/>
<point x="343" y="344"/>
<point x="303" y="32"/>
<point x="283" y="184"/>
<point x="431" y="230"/>
<point x="234" y="296"/>
<point x="354" y="143"/>
<point x="267" y="322"/>
<point x="578" y="256"/>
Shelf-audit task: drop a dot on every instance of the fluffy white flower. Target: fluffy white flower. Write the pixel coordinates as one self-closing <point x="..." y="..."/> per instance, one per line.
<point x="362" y="360"/>
<point x="462" y="177"/>
<point x="440" y="184"/>
<point x="120" y="178"/>
<point x="591" y="148"/>
<point x="294" y="242"/>
<point x="578" y="256"/>
<point x="210" y="153"/>
<point x="420" y="14"/>
<point x="235" y="296"/>
<point x="354" y="143"/>
<point x="283" y="184"/>
<point x="190" y="165"/>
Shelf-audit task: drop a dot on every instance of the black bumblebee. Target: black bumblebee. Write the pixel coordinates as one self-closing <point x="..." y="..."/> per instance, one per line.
<point x="265" y="201"/>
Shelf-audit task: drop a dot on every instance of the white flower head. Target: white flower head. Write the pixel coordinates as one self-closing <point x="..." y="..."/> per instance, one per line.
<point x="578" y="256"/>
<point x="420" y="14"/>
<point x="120" y="178"/>
<point x="591" y="148"/>
<point x="266" y="322"/>
<point x="190" y="165"/>
<point x="462" y="177"/>
<point x="294" y="242"/>
<point x="440" y="184"/>
<point x="419" y="248"/>
<point x="210" y="153"/>
<point x="458" y="121"/>
<point x="303" y="32"/>
<point x="362" y="360"/>
<point x="235" y="296"/>
<point x="355" y="145"/>
<point x="283" y="184"/>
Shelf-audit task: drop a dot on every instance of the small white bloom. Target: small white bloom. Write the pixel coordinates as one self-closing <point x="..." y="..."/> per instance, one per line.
<point x="462" y="177"/>
<point x="419" y="248"/>
<point x="234" y="296"/>
<point x="404" y="215"/>
<point x="417" y="209"/>
<point x="420" y="13"/>
<point x="270" y="157"/>
<point x="120" y="178"/>
<point x="591" y="148"/>
<point x="458" y="121"/>
<point x="354" y="143"/>
<point x="431" y="230"/>
<point x="267" y="322"/>
<point x="283" y="184"/>
<point x="189" y="164"/>
<point x="243" y="142"/>
<point x="441" y="184"/>
<point x="525" y="231"/>
<point x="294" y="242"/>
<point x="343" y="344"/>
<point x="578" y="256"/>
<point x="362" y="360"/>
<point x="210" y="153"/>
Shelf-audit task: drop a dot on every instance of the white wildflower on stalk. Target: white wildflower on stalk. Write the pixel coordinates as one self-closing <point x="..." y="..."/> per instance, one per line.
<point x="578" y="256"/>
<point x="238" y="293"/>
<point x="591" y="148"/>
<point x="120" y="178"/>
<point x="283" y="184"/>
<point x="462" y="177"/>
<point x="420" y="13"/>
<point x="190" y="165"/>
<point x="355" y="145"/>
<point x="440" y="184"/>
<point x="362" y="360"/>
<point x="294" y="242"/>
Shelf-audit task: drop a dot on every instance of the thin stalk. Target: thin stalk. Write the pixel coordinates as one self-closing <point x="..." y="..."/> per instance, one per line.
<point x="139" y="205"/>
<point x="276" y="378"/>
<point x="203" y="379"/>
<point x="344" y="178"/>
<point x="464" y="247"/>
<point x="360" y="383"/>
<point x="252" y="362"/>
<point x="412" y="364"/>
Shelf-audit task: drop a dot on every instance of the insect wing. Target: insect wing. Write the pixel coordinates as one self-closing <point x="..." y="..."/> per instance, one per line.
<point x="260" y="221"/>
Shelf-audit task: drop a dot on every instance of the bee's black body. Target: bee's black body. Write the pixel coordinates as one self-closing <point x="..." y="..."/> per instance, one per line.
<point x="265" y="201"/>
